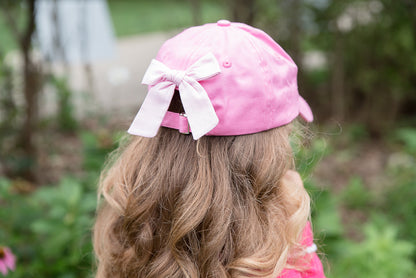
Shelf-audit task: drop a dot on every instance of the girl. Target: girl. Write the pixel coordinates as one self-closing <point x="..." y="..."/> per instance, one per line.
<point x="211" y="193"/>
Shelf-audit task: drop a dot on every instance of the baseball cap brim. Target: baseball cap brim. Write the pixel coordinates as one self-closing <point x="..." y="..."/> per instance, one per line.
<point x="304" y="110"/>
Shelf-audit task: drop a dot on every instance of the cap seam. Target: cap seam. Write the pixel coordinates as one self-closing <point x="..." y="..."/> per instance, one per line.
<point x="267" y="87"/>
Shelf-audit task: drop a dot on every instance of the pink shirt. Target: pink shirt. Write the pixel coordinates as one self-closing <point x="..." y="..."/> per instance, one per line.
<point x="315" y="269"/>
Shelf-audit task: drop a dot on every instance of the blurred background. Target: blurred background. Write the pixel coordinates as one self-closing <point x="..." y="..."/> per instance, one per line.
<point x="70" y="73"/>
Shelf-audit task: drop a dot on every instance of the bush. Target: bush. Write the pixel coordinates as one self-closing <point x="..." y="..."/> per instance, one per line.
<point x="399" y="203"/>
<point x="380" y="255"/>
<point x="49" y="229"/>
<point x="355" y="195"/>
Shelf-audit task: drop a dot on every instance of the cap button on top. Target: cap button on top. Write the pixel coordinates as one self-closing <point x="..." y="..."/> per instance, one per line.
<point x="223" y="23"/>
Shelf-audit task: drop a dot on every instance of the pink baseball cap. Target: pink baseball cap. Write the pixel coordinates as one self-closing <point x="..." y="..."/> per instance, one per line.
<point x="233" y="79"/>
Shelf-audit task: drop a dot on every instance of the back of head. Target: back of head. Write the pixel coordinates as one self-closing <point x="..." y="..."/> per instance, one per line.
<point x="206" y="197"/>
<point x="216" y="207"/>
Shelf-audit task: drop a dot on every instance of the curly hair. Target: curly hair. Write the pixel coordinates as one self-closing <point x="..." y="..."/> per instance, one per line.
<point x="216" y="207"/>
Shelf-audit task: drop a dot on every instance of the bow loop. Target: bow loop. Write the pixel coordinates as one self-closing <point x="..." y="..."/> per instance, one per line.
<point x="155" y="73"/>
<point x="204" y="68"/>
<point x="197" y="105"/>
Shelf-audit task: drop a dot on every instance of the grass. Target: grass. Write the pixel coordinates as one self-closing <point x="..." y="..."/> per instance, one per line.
<point x="134" y="17"/>
<point x="139" y="16"/>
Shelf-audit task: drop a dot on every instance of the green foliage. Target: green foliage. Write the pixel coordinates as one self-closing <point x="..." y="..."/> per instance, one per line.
<point x="355" y="195"/>
<point x="387" y="242"/>
<point x="8" y="109"/>
<point x="375" y="72"/>
<point x="317" y="77"/>
<point x="9" y="113"/>
<point x="325" y="216"/>
<point x="357" y="133"/>
<point x="65" y="115"/>
<point x="380" y="255"/>
<point x="13" y="159"/>
<point x="327" y="222"/>
<point x="408" y="137"/>
<point x="324" y="211"/>
<point x="49" y="229"/>
<point x="16" y="9"/>
<point x="96" y="147"/>
<point x="308" y="156"/>
<point x="399" y="199"/>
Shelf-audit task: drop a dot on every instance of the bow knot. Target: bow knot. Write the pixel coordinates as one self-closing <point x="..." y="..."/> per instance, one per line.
<point x="176" y="76"/>
<point x="196" y="103"/>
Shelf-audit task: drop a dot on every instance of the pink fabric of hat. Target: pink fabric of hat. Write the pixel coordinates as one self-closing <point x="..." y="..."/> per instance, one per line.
<point x="233" y="79"/>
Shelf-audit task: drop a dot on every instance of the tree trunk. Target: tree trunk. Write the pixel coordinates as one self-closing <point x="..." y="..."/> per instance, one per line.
<point x="295" y="15"/>
<point x="196" y="12"/>
<point x="243" y="11"/>
<point x="31" y="78"/>
<point x="338" y="80"/>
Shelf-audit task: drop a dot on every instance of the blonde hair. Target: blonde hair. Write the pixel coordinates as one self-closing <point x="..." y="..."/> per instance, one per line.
<point x="216" y="207"/>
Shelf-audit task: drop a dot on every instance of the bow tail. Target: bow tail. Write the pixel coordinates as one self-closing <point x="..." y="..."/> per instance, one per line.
<point x="154" y="107"/>
<point x="198" y="108"/>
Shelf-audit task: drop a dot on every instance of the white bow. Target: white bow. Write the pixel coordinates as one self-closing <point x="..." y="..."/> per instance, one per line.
<point x="196" y="103"/>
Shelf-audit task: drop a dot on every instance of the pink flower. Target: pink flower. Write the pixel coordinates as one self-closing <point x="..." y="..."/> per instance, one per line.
<point x="7" y="260"/>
